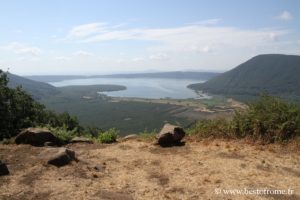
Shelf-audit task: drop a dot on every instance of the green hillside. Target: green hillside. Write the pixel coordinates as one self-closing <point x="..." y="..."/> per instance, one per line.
<point x="271" y="73"/>
<point x="37" y="89"/>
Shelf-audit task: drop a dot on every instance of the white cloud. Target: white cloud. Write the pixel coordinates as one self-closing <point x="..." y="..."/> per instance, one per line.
<point x="83" y="54"/>
<point x="62" y="58"/>
<point x="86" y="30"/>
<point x="207" y="22"/>
<point x="206" y="49"/>
<point x="285" y="16"/>
<point x="188" y="38"/>
<point x="273" y="36"/>
<point x="160" y="56"/>
<point x="23" y="49"/>
<point x="138" y="59"/>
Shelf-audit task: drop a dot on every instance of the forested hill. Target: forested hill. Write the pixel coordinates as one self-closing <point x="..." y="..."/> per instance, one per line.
<point x="275" y="74"/>
<point x="35" y="88"/>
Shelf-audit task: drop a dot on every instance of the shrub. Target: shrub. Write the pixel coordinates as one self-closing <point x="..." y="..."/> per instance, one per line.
<point x="148" y="135"/>
<point x="270" y="119"/>
<point x="63" y="134"/>
<point x="217" y="128"/>
<point x="108" y="136"/>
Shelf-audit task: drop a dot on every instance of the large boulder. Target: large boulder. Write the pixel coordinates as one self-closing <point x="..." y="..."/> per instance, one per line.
<point x="58" y="156"/>
<point x="36" y="137"/>
<point x="3" y="169"/>
<point x="170" y="135"/>
<point x="81" y="140"/>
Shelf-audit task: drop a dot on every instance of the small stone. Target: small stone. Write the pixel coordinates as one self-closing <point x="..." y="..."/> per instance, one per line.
<point x="49" y="144"/>
<point x="81" y="140"/>
<point x="58" y="156"/>
<point x="130" y="137"/>
<point x="95" y="175"/>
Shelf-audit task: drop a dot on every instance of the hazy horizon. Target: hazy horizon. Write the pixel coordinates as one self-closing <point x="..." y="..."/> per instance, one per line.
<point x="112" y="37"/>
<point x="117" y="73"/>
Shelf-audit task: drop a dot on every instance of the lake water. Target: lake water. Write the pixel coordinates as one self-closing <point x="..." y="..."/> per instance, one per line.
<point x="154" y="88"/>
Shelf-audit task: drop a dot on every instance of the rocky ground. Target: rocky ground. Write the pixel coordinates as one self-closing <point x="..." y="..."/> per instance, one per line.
<point x="137" y="169"/>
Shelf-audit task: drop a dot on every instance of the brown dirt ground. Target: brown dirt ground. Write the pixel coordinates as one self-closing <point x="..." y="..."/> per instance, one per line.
<point x="138" y="169"/>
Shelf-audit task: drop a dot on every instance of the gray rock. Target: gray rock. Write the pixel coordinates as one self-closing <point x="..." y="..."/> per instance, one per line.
<point x="58" y="156"/>
<point x="49" y="144"/>
<point x="36" y="137"/>
<point x="81" y="140"/>
<point x="170" y="135"/>
<point x="130" y="137"/>
<point x="3" y="169"/>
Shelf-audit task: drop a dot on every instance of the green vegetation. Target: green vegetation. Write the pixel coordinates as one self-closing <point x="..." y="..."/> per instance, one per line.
<point x="63" y="134"/>
<point x="105" y="112"/>
<point x="214" y="102"/>
<point x="18" y="110"/>
<point x="277" y="75"/>
<point x="108" y="136"/>
<point x="36" y="89"/>
<point x="269" y="119"/>
<point x="148" y="135"/>
<point x="96" y="111"/>
<point x="216" y="128"/>
<point x="86" y="90"/>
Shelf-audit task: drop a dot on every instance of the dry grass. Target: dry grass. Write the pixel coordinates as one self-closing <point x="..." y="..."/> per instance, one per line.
<point x="140" y="170"/>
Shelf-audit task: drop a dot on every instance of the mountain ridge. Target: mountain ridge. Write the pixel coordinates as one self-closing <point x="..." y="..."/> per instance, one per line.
<point x="36" y="88"/>
<point x="174" y="74"/>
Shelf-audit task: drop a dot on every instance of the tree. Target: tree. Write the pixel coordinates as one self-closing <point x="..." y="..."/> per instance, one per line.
<point x="19" y="110"/>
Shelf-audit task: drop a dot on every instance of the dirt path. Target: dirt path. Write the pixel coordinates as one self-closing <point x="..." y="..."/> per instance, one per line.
<point x="140" y="170"/>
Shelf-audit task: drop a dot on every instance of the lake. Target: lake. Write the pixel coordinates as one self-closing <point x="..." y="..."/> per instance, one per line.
<point x="154" y="88"/>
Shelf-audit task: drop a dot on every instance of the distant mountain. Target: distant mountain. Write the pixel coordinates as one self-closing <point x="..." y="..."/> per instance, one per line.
<point x="54" y="78"/>
<point x="37" y="89"/>
<point x="275" y="74"/>
<point x="176" y="74"/>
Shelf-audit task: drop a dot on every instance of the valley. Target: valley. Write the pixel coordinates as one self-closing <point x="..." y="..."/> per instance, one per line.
<point x="150" y="100"/>
<point x="134" y="115"/>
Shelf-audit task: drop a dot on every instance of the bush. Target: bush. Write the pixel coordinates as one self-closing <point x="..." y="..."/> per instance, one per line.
<point x="148" y="135"/>
<point x="63" y="134"/>
<point x="216" y="128"/>
<point x="108" y="136"/>
<point x="269" y="119"/>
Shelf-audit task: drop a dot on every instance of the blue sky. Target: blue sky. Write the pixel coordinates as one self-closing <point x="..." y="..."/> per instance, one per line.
<point x="102" y="37"/>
